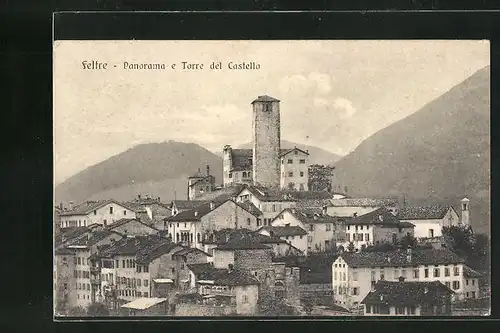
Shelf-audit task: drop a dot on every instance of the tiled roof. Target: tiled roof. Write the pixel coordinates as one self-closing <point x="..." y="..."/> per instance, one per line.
<point x="135" y="206"/>
<point x="363" y="202"/>
<point x="311" y="195"/>
<point x="188" y="204"/>
<point x="221" y="276"/>
<point x="155" y="249"/>
<point x="381" y="217"/>
<point x="121" y="222"/>
<point x="399" y="258"/>
<point x="132" y="246"/>
<point x="406" y="293"/>
<point x="266" y="194"/>
<point x="205" y="179"/>
<point x="250" y="207"/>
<point x="265" y="98"/>
<point x="243" y="242"/>
<point x="94" y="237"/>
<point x="422" y="212"/>
<point x="222" y="194"/>
<point x="186" y="251"/>
<point x="470" y="273"/>
<point x="288" y="151"/>
<point x="67" y="234"/>
<point x="284" y="231"/>
<point x="89" y="206"/>
<point x="64" y="251"/>
<point x="311" y="215"/>
<point x="191" y="214"/>
<point x="312" y="203"/>
<point x="223" y="236"/>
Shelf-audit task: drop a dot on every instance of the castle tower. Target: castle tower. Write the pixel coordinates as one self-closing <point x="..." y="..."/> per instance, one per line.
<point x="465" y="203"/>
<point x="227" y="164"/>
<point x="266" y="141"/>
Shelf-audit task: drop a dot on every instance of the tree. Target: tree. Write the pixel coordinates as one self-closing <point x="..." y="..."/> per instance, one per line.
<point x="350" y="247"/>
<point x="270" y="306"/>
<point x="320" y="177"/>
<point x="380" y="247"/>
<point x="460" y="239"/>
<point x="98" y="310"/>
<point x="407" y="241"/>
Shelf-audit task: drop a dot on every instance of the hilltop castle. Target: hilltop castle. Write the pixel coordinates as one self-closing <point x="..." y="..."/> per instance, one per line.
<point x="266" y="163"/>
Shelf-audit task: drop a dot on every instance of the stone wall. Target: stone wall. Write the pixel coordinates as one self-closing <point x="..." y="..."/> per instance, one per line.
<point x="191" y="309"/>
<point x="253" y="259"/>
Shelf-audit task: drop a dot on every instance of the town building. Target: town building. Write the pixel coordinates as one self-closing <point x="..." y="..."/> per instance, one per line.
<point x="189" y="227"/>
<point x="199" y="184"/>
<point x="293" y="235"/>
<point x="294" y="169"/>
<point x="151" y="210"/>
<point x="400" y="298"/>
<point x="103" y="212"/>
<point x="269" y="201"/>
<point x="132" y="227"/>
<point x="349" y="207"/>
<point x="178" y="206"/>
<point x="65" y="287"/>
<point x="375" y="227"/>
<point x="237" y="166"/>
<point x="354" y="273"/>
<point x="429" y="220"/>
<point x="324" y="232"/>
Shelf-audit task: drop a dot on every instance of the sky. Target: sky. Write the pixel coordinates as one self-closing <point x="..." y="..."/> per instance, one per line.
<point x="334" y="94"/>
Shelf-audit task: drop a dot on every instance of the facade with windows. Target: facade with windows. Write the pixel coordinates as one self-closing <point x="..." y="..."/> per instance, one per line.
<point x="353" y="274"/>
<point x="96" y="212"/>
<point x="429" y="220"/>
<point x="294" y="170"/>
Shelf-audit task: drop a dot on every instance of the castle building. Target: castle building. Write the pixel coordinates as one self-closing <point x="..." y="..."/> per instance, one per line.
<point x="266" y="164"/>
<point x="199" y="184"/>
<point x="266" y="141"/>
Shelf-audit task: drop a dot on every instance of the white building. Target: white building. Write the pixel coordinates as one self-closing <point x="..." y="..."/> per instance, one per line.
<point x="349" y="207"/>
<point x="354" y="273"/>
<point x="429" y="220"/>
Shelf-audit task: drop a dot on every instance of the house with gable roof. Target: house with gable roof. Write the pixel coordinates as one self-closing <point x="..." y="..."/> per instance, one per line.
<point x="401" y="298"/>
<point x="429" y="220"/>
<point x="349" y="207"/>
<point x="103" y="212"/>
<point x="294" y="169"/>
<point x="353" y="274"/>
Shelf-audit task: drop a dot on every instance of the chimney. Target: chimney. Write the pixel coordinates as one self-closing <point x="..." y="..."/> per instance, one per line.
<point x="208" y="170"/>
<point x="354" y="214"/>
<point x="70" y="205"/>
<point x="401" y="279"/>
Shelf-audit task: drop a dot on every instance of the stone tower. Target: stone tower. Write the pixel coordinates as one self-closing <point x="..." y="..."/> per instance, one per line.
<point x="465" y="211"/>
<point x="266" y="141"/>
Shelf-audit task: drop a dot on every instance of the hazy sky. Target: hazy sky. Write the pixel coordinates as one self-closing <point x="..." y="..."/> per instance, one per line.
<point x="334" y="94"/>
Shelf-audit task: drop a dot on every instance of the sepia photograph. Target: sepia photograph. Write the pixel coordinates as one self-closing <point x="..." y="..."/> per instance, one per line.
<point x="271" y="178"/>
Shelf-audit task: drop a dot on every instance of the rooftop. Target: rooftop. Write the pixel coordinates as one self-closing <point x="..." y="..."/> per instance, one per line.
<point x="422" y="212"/>
<point x="400" y="258"/>
<point x="221" y="276"/>
<point x="251" y="208"/>
<point x="311" y="215"/>
<point x="222" y="194"/>
<point x="266" y="194"/>
<point x="406" y="293"/>
<point x="363" y="202"/>
<point x="188" y="204"/>
<point x="285" y="152"/>
<point x="243" y="242"/>
<point x="381" y="217"/>
<point x="144" y="303"/>
<point x="89" y="206"/>
<point x="470" y="273"/>
<point x="284" y="231"/>
<point x="265" y="98"/>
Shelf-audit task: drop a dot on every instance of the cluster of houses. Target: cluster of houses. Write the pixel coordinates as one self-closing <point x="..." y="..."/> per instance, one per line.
<point x="225" y="250"/>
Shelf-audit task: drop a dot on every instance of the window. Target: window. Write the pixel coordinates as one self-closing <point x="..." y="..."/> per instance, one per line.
<point x="448" y="284"/>
<point x="145" y="283"/>
<point x="302" y="174"/>
<point x="146" y="295"/>
<point x="403" y="273"/>
<point x="396" y="273"/>
<point x="79" y="261"/>
<point x="301" y="187"/>
<point x="302" y="161"/>
<point x="446" y="271"/>
<point x="274" y="207"/>
<point x="467" y="294"/>
<point x="464" y="206"/>
<point x="328" y="227"/>
<point x="431" y="233"/>
<point x="400" y="310"/>
<point x="368" y="309"/>
<point x="244" y="299"/>
<point x="473" y="294"/>
<point x="411" y="310"/>
<point x="382" y="274"/>
<point x="111" y="210"/>
<point x="139" y="268"/>
<point x="473" y="282"/>
<point x="436" y="272"/>
<point x="367" y="237"/>
<point x="290" y="161"/>
<point x="95" y="212"/>
<point x="124" y="212"/>
<point x="258" y="222"/>
<point x="290" y="174"/>
<point x="360" y="237"/>
<point x="426" y="272"/>
<point x="355" y="277"/>
<point x="416" y="273"/>
<point x="355" y="291"/>
<point x="456" y="271"/>
<point x="139" y="294"/>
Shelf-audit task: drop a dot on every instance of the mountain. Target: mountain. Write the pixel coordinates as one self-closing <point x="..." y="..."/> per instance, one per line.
<point x="160" y="169"/>
<point x="438" y="154"/>
<point x="316" y="155"/>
